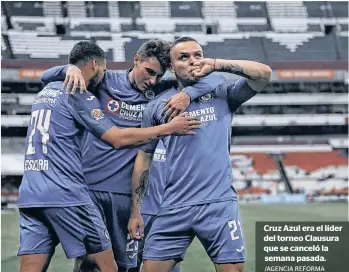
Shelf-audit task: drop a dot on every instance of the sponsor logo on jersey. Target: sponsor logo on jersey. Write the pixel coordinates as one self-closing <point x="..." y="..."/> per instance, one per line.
<point x="124" y="110"/>
<point x="91" y="98"/>
<point x="97" y="114"/>
<point x="113" y="106"/>
<point x="160" y="155"/>
<point x="205" y="115"/>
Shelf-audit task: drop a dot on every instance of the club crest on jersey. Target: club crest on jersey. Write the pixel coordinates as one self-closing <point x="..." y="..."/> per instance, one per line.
<point x="97" y="114"/>
<point x="113" y="105"/>
<point x="149" y="94"/>
<point x="206" y="97"/>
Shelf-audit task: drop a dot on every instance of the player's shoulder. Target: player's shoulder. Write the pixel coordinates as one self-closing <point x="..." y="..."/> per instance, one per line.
<point x="217" y="80"/>
<point x="58" y="85"/>
<point x="115" y="75"/>
<point x="224" y="83"/>
<point x="218" y="76"/>
<point x="53" y="89"/>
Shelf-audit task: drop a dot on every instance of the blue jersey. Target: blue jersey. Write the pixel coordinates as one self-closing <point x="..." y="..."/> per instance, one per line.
<point x="53" y="174"/>
<point x="198" y="167"/>
<point x="156" y="186"/>
<point x="105" y="168"/>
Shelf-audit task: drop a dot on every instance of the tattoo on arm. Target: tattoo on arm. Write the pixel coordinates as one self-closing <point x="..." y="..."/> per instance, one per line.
<point x="234" y="69"/>
<point x="237" y="69"/>
<point x="140" y="191"/>
<point x="158" y="137"/>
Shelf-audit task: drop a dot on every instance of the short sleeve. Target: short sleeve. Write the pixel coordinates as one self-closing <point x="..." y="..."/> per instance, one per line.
<point x="151" y="118"/>
<point x="86" y="109"/>
<point x="236" y="92"/>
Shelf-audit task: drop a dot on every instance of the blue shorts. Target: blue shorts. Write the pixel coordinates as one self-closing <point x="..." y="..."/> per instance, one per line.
<point x="115" y="210"/>
<point x="216" y="225"/>
<point x="79" y="229"/>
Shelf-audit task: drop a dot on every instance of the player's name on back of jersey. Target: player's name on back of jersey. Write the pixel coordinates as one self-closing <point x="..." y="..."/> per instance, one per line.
<point x="36" y="165"/>
<point x="47" y="95"/>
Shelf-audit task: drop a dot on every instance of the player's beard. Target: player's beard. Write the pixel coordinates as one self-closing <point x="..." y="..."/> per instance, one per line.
<point x="94" y="81"/>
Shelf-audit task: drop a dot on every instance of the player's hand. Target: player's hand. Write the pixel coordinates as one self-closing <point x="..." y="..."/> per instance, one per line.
<point x="202" y="68"/>
<point x="183" y="125"/>
<point x="73" y="79"/>
<point x="136" y="223"/>
<point x="175" y="105"/>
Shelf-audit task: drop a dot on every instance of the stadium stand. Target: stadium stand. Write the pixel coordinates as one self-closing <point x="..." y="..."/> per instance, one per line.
<point x="299" y="102"/>
<point x="309" y="171"/>
<point x="287" y="30"/>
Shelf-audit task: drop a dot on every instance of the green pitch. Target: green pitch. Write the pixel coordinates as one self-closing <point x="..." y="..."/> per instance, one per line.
<point x="196" y="258"/>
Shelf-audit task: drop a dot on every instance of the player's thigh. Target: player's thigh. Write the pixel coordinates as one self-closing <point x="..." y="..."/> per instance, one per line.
<point x="158" y="266"/>
<point x="34" y="262"/>
<point x="148" y="221"/>
<point x="170" y="235"/>
<point x="218" y="227"/>
<point x="116" y="209"/>
<point x="36" y="234"/>
<point x="229" y="267"/>
<point x="105" y="260"/>
<point x="80" y="229"/>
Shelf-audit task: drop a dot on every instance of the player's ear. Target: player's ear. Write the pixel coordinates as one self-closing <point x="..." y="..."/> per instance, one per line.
<point x="137" y="60"/>
<point x="171" y="68"/>
<point x="95" y="63"/>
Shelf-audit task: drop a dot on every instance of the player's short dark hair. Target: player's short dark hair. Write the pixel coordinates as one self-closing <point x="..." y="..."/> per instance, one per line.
<point x="156" y="48"/>
<point x="84" y="51"/>
<point x="181" y="40"/>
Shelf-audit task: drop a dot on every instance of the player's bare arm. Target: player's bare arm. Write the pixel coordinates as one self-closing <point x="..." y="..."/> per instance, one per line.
<point x="139" y="184"/>
<point x="258" y="74"/>
<point x="181" y="124"/>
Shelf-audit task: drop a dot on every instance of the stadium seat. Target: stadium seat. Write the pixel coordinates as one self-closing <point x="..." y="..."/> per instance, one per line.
<point x="250" y="9"/>
<point x="288" y="16"/>
<point x="187" y="9"/>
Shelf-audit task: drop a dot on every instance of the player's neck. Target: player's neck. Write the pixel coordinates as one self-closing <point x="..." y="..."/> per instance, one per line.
<point x="86" y="75"/>
<point x="182" y="84"/>
<point x="131" y="78"/>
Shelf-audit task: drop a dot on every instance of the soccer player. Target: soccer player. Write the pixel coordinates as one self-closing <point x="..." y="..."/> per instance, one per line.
<point x="198" y="199"/>
<point x="54" y="201"/>
<point x="153" y="192"/>
<point x="108" y="172"/>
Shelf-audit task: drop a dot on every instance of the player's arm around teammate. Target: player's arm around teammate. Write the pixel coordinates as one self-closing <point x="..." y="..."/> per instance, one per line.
<point x="130" y="136"/>
<point x="175" y="105"/>
<point x="73" y="79"/>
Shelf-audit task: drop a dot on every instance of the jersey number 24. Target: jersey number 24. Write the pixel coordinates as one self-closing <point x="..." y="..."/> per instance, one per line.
<point x="40" y="120"/>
